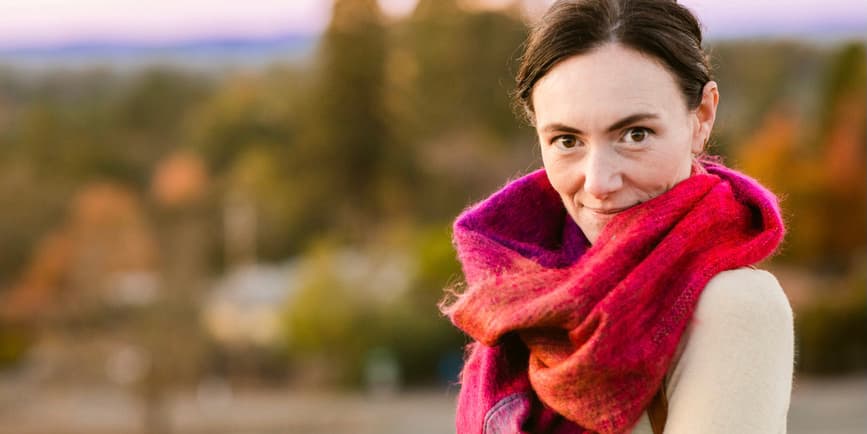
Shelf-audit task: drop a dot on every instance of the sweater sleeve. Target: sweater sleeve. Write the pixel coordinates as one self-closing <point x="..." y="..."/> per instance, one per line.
<point x="734" y="372"/>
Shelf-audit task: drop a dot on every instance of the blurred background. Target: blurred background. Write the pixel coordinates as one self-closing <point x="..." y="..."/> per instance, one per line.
<point x="234" y="217"/>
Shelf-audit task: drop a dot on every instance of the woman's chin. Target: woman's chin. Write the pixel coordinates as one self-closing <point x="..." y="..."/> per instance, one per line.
<point x="591" y="225"/>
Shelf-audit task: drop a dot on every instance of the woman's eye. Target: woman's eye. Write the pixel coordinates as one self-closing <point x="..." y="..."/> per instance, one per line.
<point x="636" y="135"/>
<point x="565" y="142"/>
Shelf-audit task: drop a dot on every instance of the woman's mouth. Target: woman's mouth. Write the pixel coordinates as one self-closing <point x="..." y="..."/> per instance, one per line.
<point x="607" y="211"/>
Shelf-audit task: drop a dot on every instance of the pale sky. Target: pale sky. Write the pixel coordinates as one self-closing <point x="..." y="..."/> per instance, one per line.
<point x="58" y="22"/>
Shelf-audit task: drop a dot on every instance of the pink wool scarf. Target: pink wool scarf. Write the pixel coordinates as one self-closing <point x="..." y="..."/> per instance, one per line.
<point x="572" y="338"/>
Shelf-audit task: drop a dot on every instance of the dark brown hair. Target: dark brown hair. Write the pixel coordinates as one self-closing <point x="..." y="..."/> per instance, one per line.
<point x="661" y="29"/>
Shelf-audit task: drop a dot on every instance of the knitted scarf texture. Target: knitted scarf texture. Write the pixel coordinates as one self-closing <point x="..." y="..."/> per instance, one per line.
<point x="573" y="338"/>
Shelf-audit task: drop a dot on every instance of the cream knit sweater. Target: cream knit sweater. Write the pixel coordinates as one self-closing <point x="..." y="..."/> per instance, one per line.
<point x="733" y="374"/>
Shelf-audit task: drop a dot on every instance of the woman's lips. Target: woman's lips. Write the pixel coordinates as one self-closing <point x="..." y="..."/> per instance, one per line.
<point x="607" y="211"/>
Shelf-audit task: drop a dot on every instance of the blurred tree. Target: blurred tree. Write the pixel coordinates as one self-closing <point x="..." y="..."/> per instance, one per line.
<point x="33" y="202"/>
<point x="168" y="328"/>
<point x="831" y="332"/>
<point x="150" y="115"/>
<point x="280" y="221"/>
<point x="78" y="265"/>
<point x="353" y="303"/>
<point x="247" y="110"/>
<point x="345" y="157"/>
<point x="329" y="324"/>
<point x="420" y="335"/>
<point x="758" y="77"/>
<point x="14" y="343"/>
<point x="249" y="134"/>
<point x="843" y="145"/>
<point x="825" y="203"/>
<point x="67" y="129"/>
<point x="465" y="62"/>
<point x="460" y="119"/>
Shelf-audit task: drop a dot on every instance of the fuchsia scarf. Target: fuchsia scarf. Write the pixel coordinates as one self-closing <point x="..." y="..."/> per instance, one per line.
<point x="572" y="338"/>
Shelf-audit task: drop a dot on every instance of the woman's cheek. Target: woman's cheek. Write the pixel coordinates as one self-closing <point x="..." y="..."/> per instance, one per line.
<point x="654" y="184"/>
<point x="562" y="181"/>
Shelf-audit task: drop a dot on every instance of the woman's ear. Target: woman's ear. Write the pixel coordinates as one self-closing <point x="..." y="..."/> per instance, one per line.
<point x="705" y="115"/>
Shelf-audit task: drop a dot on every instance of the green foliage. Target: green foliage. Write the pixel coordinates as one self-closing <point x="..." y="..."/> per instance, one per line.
<point x="140" y="123"/>
<point x="62" y="131"/>
<point x="349" y="134"/>
<point x="464" y="63"/>
<point x="825" y="203"/>
<point x="420" y="334"/>
<point x="14" y="342"/>
<point x="344" y="317"/>
<point x="244" y="112"/>
<point x="436" y="262"/>
<point x="332" y="148"/>
<point x="325" y="315"/>
<point x="420" y="338"/>
<point x="846" y="73"/>
<point x="832" y="334"/>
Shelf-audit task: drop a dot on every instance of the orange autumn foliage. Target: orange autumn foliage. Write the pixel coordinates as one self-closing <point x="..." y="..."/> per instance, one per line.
<point x="822" y="188"/>
<point x="179" y="179"/>
<point x="105" y="234"/>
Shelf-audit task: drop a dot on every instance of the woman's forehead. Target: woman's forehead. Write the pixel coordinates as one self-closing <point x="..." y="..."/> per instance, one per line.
<point x="606" y="83"/>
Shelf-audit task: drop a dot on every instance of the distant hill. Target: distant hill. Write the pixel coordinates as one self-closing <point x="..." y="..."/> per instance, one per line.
<point x="209" y="54"/>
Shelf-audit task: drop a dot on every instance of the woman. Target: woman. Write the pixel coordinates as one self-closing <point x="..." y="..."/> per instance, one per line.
<point x="614" y="290"/>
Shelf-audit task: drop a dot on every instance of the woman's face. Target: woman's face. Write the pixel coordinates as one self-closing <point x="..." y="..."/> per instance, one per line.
<point x="615" y="131"/>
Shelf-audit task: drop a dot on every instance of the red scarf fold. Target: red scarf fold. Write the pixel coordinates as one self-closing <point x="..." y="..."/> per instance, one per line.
<point x="571" y="337"/>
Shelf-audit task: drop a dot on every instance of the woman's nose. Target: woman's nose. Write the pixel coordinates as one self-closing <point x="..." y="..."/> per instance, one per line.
<point x="602" y="173"/>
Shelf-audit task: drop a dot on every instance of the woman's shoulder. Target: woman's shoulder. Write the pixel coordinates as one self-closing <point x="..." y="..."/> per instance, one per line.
<point x="734" y="369"/>
<point x="741" y="313"/>
<point x="745" y="293"/>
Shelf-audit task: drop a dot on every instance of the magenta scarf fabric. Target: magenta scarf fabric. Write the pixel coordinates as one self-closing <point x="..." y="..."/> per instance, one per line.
<point x="571" y="338"/>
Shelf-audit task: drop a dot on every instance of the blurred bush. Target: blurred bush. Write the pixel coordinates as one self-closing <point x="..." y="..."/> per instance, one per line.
<point x="14" y="342"/>
<point x="832" y="333"/>
<point x="353" y="304"/>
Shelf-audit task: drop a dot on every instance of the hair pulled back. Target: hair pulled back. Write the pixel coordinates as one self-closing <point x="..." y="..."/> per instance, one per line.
<point x="662" y="29"/>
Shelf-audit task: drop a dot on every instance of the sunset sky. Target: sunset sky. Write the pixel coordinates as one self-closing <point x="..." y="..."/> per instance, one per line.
<point x="29" y="23"/>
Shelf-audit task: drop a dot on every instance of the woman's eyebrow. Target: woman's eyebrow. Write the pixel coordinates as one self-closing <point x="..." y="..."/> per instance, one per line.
<point x="631" y="119"/>
<point x="556" y="126"/>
